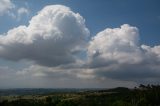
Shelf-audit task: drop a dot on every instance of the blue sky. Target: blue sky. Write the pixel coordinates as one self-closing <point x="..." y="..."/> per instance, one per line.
<point x="99" y="15"/>
<point x="123" y="47"/>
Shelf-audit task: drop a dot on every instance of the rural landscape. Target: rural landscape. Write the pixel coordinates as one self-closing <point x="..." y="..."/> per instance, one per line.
<point x="139" y="96"/>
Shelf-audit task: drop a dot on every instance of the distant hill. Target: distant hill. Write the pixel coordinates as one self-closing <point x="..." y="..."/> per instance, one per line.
<point x="34" y="91"/>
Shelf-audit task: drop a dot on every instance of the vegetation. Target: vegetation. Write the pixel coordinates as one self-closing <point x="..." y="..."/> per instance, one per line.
<point x="141" y="96"/>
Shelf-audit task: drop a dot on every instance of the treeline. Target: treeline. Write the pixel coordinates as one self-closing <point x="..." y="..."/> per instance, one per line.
<point x="144" y="95"/>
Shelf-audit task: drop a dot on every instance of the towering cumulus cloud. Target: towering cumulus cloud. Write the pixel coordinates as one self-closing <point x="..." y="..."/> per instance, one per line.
<point x="117" y="53"/>
<point x="119" y="45"/>
<point x="56" y="40"/>
<point x="52" y="37"/>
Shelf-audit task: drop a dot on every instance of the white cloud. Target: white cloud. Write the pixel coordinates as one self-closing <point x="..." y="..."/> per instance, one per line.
<point x="116" y="53"/>
<point x="5" y="6"/>
<point x="52" y="37"/>
<point x="116" y="45"/>
<point x="22" y="11"/>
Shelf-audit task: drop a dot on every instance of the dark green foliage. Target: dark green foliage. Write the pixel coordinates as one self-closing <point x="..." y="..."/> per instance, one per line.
<point x="142" y="96"/>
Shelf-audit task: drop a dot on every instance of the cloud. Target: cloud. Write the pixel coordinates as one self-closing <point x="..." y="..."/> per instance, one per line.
<point x="5" y="6"/>
<point x="116" y="45"/>
<point x="53" y="37"/>
<point x="22" y="11"/>
<point x="56" y="40"/>
<point x="5" y="72"/>
<point x="116" y="53"/>
<point x="43" y="71"/>
<point x="62" y="77"/>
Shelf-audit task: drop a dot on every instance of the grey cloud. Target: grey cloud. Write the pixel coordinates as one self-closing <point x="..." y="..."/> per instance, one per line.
<point x="58" y="76"/>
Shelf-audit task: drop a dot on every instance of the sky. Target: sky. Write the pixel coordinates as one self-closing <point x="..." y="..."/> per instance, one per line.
<point x="79" y="43"/>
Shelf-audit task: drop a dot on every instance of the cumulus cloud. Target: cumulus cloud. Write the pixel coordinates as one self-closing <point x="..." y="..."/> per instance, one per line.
<point x="56" y="39"/>
<point x="5" y="6"/>
<point x="53" y="37"/>
<point x="116" y="45"/>
<point x="116" y="53"/>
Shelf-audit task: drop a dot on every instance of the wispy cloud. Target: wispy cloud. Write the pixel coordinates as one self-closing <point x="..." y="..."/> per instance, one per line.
<point x="21" y="12"/>
<point x="6" y="6"/>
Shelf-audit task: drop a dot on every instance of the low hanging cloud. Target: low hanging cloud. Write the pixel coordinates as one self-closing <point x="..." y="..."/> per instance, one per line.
<point x="117" y="53"/>
<point x="50" y="77"/>
<point x="52" y="38"/>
